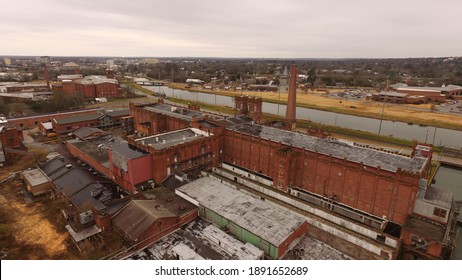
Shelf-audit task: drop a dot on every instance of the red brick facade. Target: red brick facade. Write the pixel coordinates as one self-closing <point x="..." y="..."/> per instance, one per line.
<point x="89" y="89"/>
<point x="139" y="170"/>
<point x="34" y="121"/>
<point x="11" y="137"/>
<point x="150" y="123"/>
<point x="368" y="189"/>
<point x="163" y="227"/>
<point x="432" y="250"/>
<point x="194" y="155"/>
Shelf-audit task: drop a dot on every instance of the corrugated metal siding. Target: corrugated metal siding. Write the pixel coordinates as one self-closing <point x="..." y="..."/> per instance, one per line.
<point x="426" y="209"/>
<point x="239" y="232"/>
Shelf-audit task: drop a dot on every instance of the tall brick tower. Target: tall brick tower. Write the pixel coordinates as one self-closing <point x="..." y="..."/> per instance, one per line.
<point x="241" y="106"/>
<point x="254" y="107"/>
<point x="291" y="102"/>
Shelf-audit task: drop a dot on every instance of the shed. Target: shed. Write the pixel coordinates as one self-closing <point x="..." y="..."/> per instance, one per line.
<point x="145" y="221"/>
<point x="37" y="182"/>
<point x="142" y="219"/>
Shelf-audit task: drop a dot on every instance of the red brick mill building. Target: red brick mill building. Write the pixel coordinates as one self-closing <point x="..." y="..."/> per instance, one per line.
<point x="361" y="200"/>
<point x="371" y="192"/>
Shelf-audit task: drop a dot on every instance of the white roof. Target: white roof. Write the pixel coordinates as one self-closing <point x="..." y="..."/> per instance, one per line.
<point x="186" y="253"/>
<point x="35" y="177"/>
<point x="231" y="245"/>
<point x="47" y="125"/>
<point x="270" y="222"/>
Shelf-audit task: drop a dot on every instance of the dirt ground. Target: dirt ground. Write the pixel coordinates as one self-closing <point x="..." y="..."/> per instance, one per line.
<point x="25" y="228"/>
<point x="33" y="228"/>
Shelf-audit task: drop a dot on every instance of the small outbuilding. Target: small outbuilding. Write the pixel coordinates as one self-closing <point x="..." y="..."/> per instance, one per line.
<point x="37" y="182"/>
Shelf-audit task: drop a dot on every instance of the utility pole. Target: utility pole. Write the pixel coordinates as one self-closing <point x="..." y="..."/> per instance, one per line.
<point x="381" y="115"/>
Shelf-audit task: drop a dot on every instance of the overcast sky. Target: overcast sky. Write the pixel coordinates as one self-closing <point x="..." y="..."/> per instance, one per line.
<point x="233" y="28"/>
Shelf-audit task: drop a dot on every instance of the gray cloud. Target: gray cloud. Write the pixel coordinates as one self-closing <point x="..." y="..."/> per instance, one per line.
<point x="290" y="28"/>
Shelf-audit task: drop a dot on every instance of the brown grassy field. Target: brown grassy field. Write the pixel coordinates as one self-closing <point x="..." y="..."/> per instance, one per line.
<point x="34" y="230"/>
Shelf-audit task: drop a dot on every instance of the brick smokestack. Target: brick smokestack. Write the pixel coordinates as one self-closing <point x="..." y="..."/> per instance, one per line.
<point x="291" y="102"/>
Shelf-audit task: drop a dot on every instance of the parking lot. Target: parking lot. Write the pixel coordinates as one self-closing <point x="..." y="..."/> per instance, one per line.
<point x="451" y="107"/>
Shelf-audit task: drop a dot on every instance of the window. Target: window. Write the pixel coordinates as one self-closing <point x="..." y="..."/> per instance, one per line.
<point x="202" y="149"/>
<point x="380" y="238"/>
<point x="175" y="158"/>
<point x="439" y="212"/>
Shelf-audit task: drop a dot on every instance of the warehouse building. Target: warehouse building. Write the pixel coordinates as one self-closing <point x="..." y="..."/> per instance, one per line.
<point x="269" y="227"/>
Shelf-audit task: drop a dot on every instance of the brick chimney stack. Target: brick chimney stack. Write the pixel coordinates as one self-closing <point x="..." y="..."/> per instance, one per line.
<point x="291" y="102"/>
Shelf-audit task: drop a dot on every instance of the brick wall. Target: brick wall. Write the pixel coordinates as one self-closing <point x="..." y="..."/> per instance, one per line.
<point x="369" y="189"/>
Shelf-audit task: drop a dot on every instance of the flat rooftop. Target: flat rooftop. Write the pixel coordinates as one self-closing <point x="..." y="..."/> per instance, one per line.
<point x="439" y="197"/>
<point x="391" y="94"/>
<point x="54" y="165"/>
<point x="271" y="222"/>
<point x="369" y="157"/>
<point x="74" y="119"/>
<point x="169" y="139"/>
<point x="35" y="176"/>
<point x="195" y="238"/>
<point x="426" y="229"/>
<point x="98" y="148"/>
<point x="174" y="111"/>
<point x="402" y="86"/>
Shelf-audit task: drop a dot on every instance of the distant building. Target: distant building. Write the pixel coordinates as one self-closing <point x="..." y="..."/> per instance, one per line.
<point x="149" y="61"/>
<point x="429" y="94"/>
<point x="63" y="124"/>
<point x="7" y="61"/>
<point x="90" y="86"/>
<point x="110" y="63"/>
<point x="34" y="121"/>
<point x="194" y="81"/>
<point x="262" y="88"/>
<point x="26" y="87"/>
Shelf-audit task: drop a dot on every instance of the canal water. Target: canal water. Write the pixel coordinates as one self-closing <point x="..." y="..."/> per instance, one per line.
<point x="450" y="178"/>
<point x="431" y="135"/>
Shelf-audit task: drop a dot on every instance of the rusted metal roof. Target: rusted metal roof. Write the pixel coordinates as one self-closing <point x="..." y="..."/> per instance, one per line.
<point x="138" y="216"/>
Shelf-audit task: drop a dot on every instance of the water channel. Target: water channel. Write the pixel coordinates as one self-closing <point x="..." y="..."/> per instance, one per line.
<point x="446" y="178"/>
<point x="450" y="178"/>
<point x="431" y="135"/>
